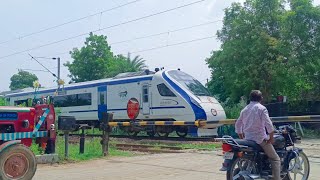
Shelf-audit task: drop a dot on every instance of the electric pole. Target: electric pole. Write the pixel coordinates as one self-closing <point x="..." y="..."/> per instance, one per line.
<point x="58" y="69"/>
<point x="58" y="59"/>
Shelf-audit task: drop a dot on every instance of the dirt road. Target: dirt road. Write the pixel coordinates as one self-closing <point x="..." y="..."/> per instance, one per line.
<point x="179" y="166"/>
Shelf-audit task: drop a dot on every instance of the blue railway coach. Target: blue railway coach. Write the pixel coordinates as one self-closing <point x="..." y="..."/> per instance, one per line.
<point x="169" y="95"/>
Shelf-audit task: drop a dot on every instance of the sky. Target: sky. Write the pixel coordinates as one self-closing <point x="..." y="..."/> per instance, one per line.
<point x="21" y="18"/>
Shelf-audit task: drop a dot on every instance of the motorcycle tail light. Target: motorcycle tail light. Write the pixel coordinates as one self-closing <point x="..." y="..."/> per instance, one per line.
<point x="226" y="147"/>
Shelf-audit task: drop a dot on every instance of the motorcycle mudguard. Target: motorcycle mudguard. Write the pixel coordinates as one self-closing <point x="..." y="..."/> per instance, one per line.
<point x="292" y="153"/>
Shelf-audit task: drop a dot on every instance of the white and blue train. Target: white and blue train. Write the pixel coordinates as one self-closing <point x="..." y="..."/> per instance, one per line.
<point x="169" y="95"/>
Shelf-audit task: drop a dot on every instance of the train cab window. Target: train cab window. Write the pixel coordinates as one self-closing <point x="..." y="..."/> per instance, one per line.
<point x="190" y="83"/>
<point x="165" y="91"/>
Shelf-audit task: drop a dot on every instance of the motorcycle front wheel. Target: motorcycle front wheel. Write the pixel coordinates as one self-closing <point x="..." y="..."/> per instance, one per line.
<point x="299" y="168"/>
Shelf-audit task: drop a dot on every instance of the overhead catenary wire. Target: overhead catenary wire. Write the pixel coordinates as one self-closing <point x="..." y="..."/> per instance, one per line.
<point x="35" y="70"/>
<point x="151" y="35"/>
<point x="174" y="44"/>
<point x="108" y="27"/>
<point x="43" y="66"/>
<point x="48" y="58"/>
<point x="166" y="32"/>
<point x="69" y="22"/>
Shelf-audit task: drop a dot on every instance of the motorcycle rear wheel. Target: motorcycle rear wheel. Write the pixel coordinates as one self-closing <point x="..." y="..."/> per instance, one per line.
<point x="239" y="164"/>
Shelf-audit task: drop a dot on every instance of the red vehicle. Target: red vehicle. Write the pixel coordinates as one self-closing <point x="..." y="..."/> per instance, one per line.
<point x="18" y="127"/>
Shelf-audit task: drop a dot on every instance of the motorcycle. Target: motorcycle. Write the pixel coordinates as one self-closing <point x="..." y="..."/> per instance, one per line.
<point x="246" y="160"/>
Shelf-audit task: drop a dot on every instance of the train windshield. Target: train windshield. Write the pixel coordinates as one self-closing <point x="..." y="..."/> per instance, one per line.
<point x="190" y="83"/>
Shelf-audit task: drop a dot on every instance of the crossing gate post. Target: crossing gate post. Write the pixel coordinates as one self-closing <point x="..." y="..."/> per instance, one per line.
<point x="106" y="129"/>
<point x="82" y="140"/>
<point x="83" y="127"/>
<point x="67" y="124"/>
<point x="66" y="144"/>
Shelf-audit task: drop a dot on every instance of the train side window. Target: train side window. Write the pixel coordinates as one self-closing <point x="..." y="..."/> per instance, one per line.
<point x="21" y="102"/>
<point x="84" y="99"/>
<point x="65" y="101"/>
<point x="145" y="94"/>
<point x="73" y="100"/>
<point x="165" y="91"/>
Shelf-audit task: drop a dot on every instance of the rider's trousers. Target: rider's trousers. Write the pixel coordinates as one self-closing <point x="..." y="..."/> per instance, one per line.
<point x="274" y="158"/>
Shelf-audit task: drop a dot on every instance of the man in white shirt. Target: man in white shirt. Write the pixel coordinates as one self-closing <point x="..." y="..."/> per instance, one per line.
<point x="252" y="125"/>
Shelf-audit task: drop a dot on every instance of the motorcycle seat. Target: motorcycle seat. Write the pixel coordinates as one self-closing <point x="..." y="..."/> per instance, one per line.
<point x="248" y="143"/>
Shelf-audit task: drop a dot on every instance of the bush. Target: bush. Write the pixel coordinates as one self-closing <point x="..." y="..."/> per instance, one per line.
<point x="310" y="133"/>
<point x="232" y="112"/>
<point x="2" y="101"/>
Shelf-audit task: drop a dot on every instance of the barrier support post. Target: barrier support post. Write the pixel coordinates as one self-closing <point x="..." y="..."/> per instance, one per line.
<point x="301" y="130"/>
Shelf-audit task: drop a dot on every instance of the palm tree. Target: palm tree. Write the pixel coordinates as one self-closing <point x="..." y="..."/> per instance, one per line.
<point x="135" y="64"/>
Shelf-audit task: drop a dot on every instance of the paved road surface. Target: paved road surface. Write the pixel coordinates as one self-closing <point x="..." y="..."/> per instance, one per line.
<point x="179" y="166"/>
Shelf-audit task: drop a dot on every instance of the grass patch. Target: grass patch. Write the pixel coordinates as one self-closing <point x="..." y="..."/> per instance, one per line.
<point x="311" y="133"/>
<point x="92" y="150"/>
<point x="206" y="146"/>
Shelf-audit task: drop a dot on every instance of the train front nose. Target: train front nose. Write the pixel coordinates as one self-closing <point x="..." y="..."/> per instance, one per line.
<point x="213" y="110"/>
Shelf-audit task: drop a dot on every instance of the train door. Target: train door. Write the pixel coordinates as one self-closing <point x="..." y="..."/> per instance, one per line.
<point x="145" y="99"/>
<point x="102" y="100"/>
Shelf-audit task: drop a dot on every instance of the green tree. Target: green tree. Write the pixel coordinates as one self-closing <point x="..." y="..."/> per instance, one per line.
<point x="135" y="64"/>
<point x="126" y="64"/>
<point x="301" y="37"/>
<point x="263" y="48"/>
<point x="22" y="79"/>
<point x="92" y="61"/>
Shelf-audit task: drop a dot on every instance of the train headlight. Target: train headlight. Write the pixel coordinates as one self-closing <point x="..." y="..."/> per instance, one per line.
<point x="214" y="112"/>
<point x="25" y="124"/>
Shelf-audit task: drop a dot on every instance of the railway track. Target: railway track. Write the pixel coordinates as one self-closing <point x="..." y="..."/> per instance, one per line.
<point x="200" y="139"/>
<point x="163" y="147"/>
<point x="149" y="148"/>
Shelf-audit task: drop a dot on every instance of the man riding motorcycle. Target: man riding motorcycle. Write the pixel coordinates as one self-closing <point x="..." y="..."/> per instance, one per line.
<point x="253" y="124"/>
